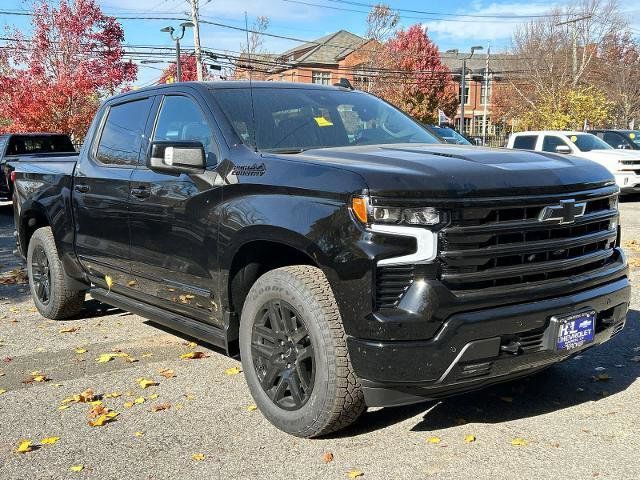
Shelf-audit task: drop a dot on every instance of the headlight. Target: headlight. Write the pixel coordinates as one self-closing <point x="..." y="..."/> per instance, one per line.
<point x="394" y="215"/>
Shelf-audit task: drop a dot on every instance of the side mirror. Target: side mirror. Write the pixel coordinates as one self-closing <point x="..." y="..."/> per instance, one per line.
<point x="563" y="149"/>
<point x="177" y="157"/>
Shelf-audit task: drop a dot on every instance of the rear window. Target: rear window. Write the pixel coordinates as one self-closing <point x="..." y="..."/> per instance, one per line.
<point x="525" y="142"/>
<point x="30" y="144"/>
<point x="121" y="137"/>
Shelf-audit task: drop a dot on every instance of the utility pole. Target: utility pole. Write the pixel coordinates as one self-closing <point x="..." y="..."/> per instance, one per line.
<point x="195" y="19"/>
<point x="574" y="34"/>
<point x="463" y="83"/>
<point x="486" y="97"/>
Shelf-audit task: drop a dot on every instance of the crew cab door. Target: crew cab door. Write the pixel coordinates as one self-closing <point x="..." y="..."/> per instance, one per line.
<point x="101" y="187"/>
<point x="174" y="219"/>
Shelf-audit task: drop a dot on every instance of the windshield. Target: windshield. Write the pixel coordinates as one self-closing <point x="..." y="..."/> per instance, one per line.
<point x="449" y="135"/>
<point x="587" y="142"/>
<point x="290" y="120"/>
<point x="634" y="136"/>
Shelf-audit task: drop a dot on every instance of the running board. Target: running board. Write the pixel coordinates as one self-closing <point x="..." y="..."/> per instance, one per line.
<point x="202" y="331"/>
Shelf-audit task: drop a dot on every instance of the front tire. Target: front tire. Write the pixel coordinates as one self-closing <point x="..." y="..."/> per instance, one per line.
<point x="51" y="289"/>
<point x="294" y="353"/>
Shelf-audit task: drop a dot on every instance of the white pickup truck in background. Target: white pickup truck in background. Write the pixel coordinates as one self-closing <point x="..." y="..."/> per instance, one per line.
<point x="624" y="164"/>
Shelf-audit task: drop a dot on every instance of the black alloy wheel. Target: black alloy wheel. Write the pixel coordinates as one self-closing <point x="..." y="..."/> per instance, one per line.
<point x="41" y="275"/>
<point x="282" y="354"/>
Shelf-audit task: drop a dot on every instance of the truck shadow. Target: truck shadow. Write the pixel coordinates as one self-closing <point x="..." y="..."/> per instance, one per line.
<point x="565" y="385"/>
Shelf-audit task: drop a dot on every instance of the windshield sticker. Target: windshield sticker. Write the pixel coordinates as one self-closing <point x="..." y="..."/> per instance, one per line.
<point x="574" y="138"/>
<point x="323" y="122"/>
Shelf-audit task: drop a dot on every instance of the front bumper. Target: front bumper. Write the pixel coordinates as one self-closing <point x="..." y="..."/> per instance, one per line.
<point x="478" y="348"/>
<point x="628" y="182"/>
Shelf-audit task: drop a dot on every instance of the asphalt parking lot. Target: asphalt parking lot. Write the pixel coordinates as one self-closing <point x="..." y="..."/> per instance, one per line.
<point x="578" y="420"/>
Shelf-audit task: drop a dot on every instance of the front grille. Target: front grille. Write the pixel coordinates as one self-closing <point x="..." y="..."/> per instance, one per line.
<point x="630" y="166"/>
<point x="391" y="283"/>
<point x="487" y="247"/>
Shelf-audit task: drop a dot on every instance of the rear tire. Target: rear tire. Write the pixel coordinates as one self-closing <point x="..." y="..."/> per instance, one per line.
<point x="51" y="289"/>
<point x="300" y="376"/>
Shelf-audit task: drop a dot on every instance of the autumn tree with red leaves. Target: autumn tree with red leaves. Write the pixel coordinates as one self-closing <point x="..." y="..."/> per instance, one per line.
<point x="55" y="80"/>
<point x="413" y="78"/>
<point x="188" y="71"/>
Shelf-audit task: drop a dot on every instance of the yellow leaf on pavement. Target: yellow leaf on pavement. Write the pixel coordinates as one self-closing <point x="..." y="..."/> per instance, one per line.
<point x="139" y="400"/>
<point x="24" y="446"/>
<point x="109" y="281"/>
<point x="469" y="438"/>
<point x="63" y="407"/>
<point x="113" y="395"/>
<point x="138" y="434"/>
<point x="76" y="468"/>
<point x="252" y="408"/>
<point x="128" y="404"/>
<point x="2" y="390"/>
<point x="80" y="350"/>
<point x="198" y="456"/>
<point x="95" y="402"/>
<point x="232" y="371"/>
<point x="153" y="396"/>
<point x="355" y="474"/>
<point x="193" y="355"/>
<point x="433" y="440"/>
<point x="167" y="373"/>
<point x="145" y="383"/>
<point x="519" y="442"/>
<point x="103" y="419"/>
<point x="49" y="440"/>
<point x="69" y="330"/>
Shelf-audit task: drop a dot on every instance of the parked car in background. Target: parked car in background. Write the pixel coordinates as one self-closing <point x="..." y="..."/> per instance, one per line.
<point x="16" y="146"/>
<point x="349" y="256"/>
<point x="624" y="164"/>
<point x="622" y="139"/>
<point x="448" y="135"/>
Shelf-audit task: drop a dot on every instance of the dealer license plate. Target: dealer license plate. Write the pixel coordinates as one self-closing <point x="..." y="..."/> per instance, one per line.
<point x="575" y="330"/>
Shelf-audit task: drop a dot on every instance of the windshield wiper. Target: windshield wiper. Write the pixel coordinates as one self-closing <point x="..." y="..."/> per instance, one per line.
<point x="285" y="150"/>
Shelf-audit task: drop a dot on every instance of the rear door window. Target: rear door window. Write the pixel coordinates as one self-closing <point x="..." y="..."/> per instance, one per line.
<point x="525" y="142"/>
<point x="122" y="133"/>
<point x="550" y="143"/>
<point x="615" y="140"/>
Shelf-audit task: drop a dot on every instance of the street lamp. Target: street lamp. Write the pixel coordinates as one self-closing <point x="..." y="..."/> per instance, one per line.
<point x="177" y="39"/>
<point x="463" y="82"/>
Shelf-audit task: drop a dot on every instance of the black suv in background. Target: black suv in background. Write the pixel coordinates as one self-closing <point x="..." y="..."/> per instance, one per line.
<point x="625" y="139"/>
<point x="351" y="258"/>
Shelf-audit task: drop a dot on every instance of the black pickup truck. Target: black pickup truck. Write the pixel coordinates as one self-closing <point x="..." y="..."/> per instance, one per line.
<point x="15" y="147"/>
<point x="350" y="258"/>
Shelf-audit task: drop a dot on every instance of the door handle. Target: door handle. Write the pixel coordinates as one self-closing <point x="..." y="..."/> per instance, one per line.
<point x="141" y="192"/>
<point x="81" y="188"/>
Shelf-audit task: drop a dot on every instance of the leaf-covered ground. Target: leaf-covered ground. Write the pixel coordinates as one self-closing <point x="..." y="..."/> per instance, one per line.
<point x="112" y="396"/>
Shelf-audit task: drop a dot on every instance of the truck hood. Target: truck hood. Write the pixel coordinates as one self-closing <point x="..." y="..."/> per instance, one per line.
<point x="452" y="171"/>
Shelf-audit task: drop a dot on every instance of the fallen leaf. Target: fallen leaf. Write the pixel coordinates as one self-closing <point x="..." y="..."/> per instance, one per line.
<point x="178" y="406"/>
<point x="161" y="406"/>
<point x="602" y="377"/>
<point x="145" y="383"/>
<point x="146" y="355"/>
<point x="113" y="395"/>
<point x="69" y="330"/>
<point x="97" y="410"/>
<point x="198" y="456"/>
<point x="76" y="468"/>
<point x="327" y="457"/>
<point x="138" y="434"/>
<point x="131" y="283"/>
<point x="103" y="419"/>
<point x="63" y="407"/>
<point x="192" y="344"/>
<point x="2" y="390"/>
<point x="24" y="446"/>
<point x="433" y="440"/>
<point x="189" y="396"/>
<point x="128" y="404"/>
<point x="355" y="474"/>
<point x="193" y="355"/>
<point x="139" y="400"/>
<point x="49" y="440"/>
<point x="519" y="442"/>
<point x="109" y="281"/>
<point x="107" y="357"/>
<point x="95" y="402"/>
<point x="232" y="371"/>
<point x="469" y="438"/>
<point x="153" y="396"/>
<point x="167" y="373"/>
<point x="13" y="277"/>
<point x="252" y="408"/>
<point x="36" y="377"/>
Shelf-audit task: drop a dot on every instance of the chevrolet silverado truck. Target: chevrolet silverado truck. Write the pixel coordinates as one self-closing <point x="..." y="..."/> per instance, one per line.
<point x="29" y="146"/>
<point x="350" y="258"/>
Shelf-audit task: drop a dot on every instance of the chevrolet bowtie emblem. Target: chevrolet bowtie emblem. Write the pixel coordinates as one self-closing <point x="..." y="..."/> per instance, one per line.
<point x="566" y="212"/>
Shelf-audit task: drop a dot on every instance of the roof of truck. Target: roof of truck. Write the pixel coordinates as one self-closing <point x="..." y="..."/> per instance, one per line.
<point x="552" y="132"/>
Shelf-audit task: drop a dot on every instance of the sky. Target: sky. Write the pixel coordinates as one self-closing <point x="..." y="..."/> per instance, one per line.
<point x="484" y="23"/>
